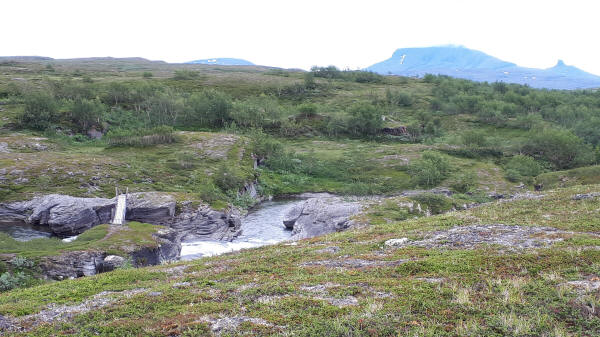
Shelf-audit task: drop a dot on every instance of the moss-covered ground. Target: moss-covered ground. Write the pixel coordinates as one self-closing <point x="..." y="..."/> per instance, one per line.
<point x="296" y="289"/>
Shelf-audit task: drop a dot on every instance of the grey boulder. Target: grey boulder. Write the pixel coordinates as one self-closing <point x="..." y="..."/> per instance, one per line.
<point x="318" y="216"/>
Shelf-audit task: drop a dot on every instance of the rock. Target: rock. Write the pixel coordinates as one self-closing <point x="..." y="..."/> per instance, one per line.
<point x="496" y="196"/>
<point x="586" y="196"/>
<point x="72" y="265"/>
<point x="329" y="250"/>
<point x="155" y="293"/>
<point x="94" y="134"/>
<point x="4" y="147"/>
<point x="396" y="242"/>
<point x="68" y="216"/>
<point x="5" y="324"/>
<point x="112" y="262"/>
<point x="206" y="223"/>
<point x="150" y="206"/>
<point x="318" y="216"/>
<point x="511" y="237"/>
<point x="87" y="263"/>
<point x="290" y="217"/>
<point x="181" y="285"/>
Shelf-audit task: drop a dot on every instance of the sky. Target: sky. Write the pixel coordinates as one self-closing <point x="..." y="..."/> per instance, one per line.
<point x="300" y="34"/>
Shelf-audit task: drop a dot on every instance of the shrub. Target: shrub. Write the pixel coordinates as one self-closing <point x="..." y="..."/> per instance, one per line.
<point x="264" y="146"/>
<point x="430" y="170"/>
<point x="41" y="111"/>
<point x="10" y="281"/>
<point x="85" y="113"/>
<point x="185" y="75"/>
<point x="561" y="148"/>
<point x="365" y="119"/>
<point x="435" y="203"/>
<point x="307" y="110"/>
<point x="147" y="74"/>
<point x="464" y="182"/>
<point x="209" y="108"/>
<point x="521" y="166"/>
<point x="141" y="137"/>
<point x="227" y="178"/>
<point x="398" y="98"/>
<point x="473" y="138"/>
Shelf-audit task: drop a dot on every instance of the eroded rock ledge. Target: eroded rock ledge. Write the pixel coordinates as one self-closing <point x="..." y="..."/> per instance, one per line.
<point x="68" y="216"/>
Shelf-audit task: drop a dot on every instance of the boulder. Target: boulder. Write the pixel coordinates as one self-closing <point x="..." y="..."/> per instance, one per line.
<point x="112" y="262"/>
<point x="66" y="215"/>
<point x="72" y="264"/>
<point x="204" y="223"/>
<point x="5" y="324"/>
<point x="150" y="207"/>
<point x="318" y="216"/>
<point x="396" y="242"/>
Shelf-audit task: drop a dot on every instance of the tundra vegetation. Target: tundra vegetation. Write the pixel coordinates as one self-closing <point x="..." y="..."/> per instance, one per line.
<point x="197" y="131"/>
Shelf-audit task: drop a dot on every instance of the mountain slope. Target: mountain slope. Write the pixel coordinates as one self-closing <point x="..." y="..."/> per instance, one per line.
<point x="223" y="62"/>
<point x="471" y="64"/>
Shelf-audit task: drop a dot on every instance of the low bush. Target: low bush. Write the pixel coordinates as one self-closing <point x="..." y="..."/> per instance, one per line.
<point x="430" y="170"/>
<point x="141" y="137"/>
<point x="435" y="203"/>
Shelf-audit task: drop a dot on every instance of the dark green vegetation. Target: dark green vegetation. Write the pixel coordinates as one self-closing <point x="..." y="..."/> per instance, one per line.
<point x="347" y="132"/>
<point x="197" y="131"/>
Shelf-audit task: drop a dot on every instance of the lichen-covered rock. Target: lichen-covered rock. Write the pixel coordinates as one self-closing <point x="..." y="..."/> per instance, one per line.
<point x="318" y="216"/>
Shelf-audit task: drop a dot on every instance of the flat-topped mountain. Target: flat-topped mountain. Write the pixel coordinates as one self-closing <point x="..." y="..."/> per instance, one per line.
<point x="471" y="64"/>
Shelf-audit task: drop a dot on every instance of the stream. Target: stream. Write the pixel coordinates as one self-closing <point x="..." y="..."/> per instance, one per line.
<point x="22" y="232"/>
<point x="262" y="226"/>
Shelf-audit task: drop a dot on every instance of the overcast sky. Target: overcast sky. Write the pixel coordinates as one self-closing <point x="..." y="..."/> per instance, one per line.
<point x="299" y="34"/>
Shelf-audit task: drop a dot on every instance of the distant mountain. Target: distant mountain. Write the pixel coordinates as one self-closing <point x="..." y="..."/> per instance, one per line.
<point x="474" y="65"/>
<point x="223" y="62"/>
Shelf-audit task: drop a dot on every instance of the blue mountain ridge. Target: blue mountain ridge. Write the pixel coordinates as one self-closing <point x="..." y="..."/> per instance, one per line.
<point x="462" y="62"/>
<point x="224" y="61"/>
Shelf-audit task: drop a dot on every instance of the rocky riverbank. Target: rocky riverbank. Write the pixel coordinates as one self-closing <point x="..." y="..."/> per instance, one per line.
<point x="68" y="216"/>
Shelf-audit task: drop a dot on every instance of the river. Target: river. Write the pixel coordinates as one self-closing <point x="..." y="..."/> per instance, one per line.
<point x="262" y="226"/>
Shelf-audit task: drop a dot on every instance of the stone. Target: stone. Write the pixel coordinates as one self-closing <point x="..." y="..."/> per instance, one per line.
<point x="204" y="223"/>
<point x="4" y="147"/>
<point x="71" y="265"/>
<point x="396" y="242"/>
<point x="69" y="216"/>
<point x="318" y="216"/>
<point x="150" y="206"/>
<point x="586" y="196"/>
<point x="112" y="262"/>
<point x="509" y="236"/>
<point x="5" y="324"/>
<point x="94" y="134"/>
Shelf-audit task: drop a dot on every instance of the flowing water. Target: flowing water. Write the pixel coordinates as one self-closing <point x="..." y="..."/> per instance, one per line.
<point x="23" y="232"/>
<point x="262" y="226"/>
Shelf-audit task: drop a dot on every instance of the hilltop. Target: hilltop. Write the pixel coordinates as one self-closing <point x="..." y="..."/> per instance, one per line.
<point x="471" y="64"/>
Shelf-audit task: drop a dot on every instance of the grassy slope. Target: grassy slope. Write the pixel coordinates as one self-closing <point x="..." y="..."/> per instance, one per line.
<point x="487" y="291"/>
<point x="118" y="240"/>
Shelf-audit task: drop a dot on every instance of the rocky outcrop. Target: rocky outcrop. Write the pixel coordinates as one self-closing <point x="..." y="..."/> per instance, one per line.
<point x="87" y="263"/>
<point x="63" y="214"/>
<point x="69" y="216"/>
<point x="150" y="206"/>
<point x="205" y="223"/>
<point x="318" y="216"/>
